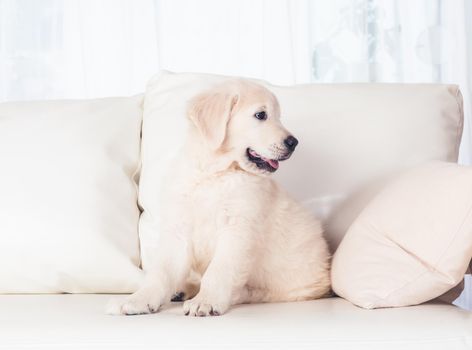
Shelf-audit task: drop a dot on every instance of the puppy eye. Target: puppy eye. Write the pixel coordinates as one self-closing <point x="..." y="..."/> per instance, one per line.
<point x="261" y="115"/>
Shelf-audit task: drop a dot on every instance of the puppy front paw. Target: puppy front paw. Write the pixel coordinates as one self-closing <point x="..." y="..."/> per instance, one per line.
<point x="201" y="306"/>
<point x="132" y="305"/>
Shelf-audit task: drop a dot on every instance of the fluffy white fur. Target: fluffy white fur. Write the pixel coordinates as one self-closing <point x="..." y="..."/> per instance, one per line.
<point x="230" y="235"/>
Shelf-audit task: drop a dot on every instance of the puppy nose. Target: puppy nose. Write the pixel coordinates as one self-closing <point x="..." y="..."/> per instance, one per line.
<point x="291" y="142"/>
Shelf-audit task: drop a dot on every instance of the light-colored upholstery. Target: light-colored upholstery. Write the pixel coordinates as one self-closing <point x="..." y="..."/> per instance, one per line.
<point x="58" y="322"/>
<point x="79" y="321"/>
<point x="68" y="212"/>
<point x="351" y="136"/>
<point x="412" y="243"/>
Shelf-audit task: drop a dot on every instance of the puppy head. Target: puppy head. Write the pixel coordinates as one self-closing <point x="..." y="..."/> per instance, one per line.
<point x="241" y="120"/>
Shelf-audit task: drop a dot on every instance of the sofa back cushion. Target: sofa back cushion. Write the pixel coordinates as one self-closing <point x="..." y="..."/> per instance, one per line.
<point x="351" y="137"/>
<point x="68" y="211"/>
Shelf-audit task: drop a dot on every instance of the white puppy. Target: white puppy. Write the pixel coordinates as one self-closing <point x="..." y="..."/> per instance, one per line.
<point x="230" y="235"/>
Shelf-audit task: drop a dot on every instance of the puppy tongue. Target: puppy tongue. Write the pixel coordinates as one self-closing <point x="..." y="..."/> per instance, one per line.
<point x="273" y="163"/>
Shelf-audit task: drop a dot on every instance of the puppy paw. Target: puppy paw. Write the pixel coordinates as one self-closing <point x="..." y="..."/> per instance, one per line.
<point x="132" y="305"/>
<point x="200" y="306"/>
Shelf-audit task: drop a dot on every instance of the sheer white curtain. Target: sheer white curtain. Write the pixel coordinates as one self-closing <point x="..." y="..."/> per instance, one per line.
<point x="76" y="48"/>
<point x="93" y="48"/>
<point x="300" y="41"/>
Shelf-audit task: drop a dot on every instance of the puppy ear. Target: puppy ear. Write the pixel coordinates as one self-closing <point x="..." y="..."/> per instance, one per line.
<point x="211" y="112"/>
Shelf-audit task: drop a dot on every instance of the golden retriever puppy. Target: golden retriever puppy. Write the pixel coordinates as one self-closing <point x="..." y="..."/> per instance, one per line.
<point x="229" y="234"/>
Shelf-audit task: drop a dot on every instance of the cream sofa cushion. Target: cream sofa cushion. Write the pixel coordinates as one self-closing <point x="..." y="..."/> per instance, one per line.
<point x="351" y="135"/>
<point x="412" y="243"/>
<point x="78" y="322"/>
<point x="68" y="200"/>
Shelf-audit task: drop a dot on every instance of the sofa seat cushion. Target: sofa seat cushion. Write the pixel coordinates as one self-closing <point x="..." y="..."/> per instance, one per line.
<point x="79" y="322"/>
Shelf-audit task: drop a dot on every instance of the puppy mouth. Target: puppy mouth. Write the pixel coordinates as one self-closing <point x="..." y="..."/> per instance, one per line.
<point x="261" y="162"/>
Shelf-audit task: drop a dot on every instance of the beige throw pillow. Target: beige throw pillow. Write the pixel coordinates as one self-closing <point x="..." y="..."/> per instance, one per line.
<point x="412" y="243"/>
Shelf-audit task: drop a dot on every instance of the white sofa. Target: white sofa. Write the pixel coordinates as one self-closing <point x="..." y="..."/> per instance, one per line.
<point x="52" y="322"/>
<point x="36" y="320"/>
